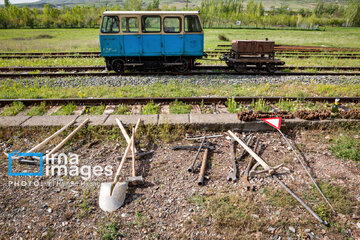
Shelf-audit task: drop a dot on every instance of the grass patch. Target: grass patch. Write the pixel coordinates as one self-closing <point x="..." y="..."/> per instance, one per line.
<point x="13" y="109"/>
<point x="88" y="39"/>
<point x="11" y="89"/>
<point x="94" y="110"/>
<point x="179" y="107"/>
<point x="260" y="105"/>
<point x="141" y="220"/>
<point x="197" y="200"/>
<point x="287" y="105"/>
<point x="279" y="198"/>
<point x="150" y="108"/>
<point x="162" y="133"/>
<point x="110" y="231"/>
<point x="52" y="62"/>
<point x="38" y="110"/>
<point x="122" y="109"/>
<point x="338" y="197"/>
<point x="67" y="109"/>
<point x="233" y="106"/>
<point x="230" y="215"/>
<point x="345" y="145"/>
<point x="85" y="204"/>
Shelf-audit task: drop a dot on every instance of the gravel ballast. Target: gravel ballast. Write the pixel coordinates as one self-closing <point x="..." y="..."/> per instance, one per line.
<point x="118" y="81"/>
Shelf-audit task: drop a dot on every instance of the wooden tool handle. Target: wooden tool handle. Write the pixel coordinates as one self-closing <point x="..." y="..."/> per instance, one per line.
<point x="251" y="152"/>
<point x="51" y="137"/>
<point x="133" y="152"/>
<point x="62" y="143"/>
<point x="117" y="175"/>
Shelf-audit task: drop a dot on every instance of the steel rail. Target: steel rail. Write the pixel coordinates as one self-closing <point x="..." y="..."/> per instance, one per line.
<point x="192" y="73"/>
<point x="167" y="100"/>
<point x="198" y="67"/>
<point x="210" y="53"/>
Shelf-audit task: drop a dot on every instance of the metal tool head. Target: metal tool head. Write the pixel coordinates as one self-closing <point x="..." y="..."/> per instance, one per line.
<point x="111" y="199"/>
<point x="135" y="181"/>
<point x="232" y="177"/>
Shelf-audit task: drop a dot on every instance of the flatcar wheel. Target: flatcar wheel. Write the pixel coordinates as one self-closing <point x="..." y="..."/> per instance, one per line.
<point x="239" y="67"/>
<point x="258" y="66"/>
<point x="118" y="66"/>
<point x="184" y="67"/>
<point x="270" y="67"/>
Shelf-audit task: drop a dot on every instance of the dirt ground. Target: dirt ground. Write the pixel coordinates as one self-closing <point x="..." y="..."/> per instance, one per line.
<point x="171" y="205"/>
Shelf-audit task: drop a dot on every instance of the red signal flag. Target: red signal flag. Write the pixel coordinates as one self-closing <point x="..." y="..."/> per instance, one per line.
<point x="275" y="122"/>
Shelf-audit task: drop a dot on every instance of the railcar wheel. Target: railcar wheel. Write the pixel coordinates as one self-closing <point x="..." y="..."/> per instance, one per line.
<point x="239" y="67"/>
<point x="230" y="64"/>
<point x="108" y="65"/>
<point x="118" y="66"/>
<point x="270" y="67"/>
<point x="184" y="67"/>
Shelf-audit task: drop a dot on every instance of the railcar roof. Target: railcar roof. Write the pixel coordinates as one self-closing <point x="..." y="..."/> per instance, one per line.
<point x="148" y="12"/>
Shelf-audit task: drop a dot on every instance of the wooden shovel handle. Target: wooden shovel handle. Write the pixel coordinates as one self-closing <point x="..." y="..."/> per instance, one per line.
<point x="117" y="175"/>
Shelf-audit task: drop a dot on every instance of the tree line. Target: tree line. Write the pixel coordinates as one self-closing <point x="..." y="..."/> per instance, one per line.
<point x="213" y="13"/>
<point x="225" y="12"/>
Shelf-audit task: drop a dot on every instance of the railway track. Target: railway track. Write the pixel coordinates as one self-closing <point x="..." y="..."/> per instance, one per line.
<point x="167" y="100"/>
<point x="210" y="53"/>
<point x="192" y="73"/>
<point x="198" y="67"/>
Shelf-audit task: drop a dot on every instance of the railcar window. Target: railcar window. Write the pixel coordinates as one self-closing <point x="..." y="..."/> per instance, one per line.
<point x="192" y="24"/>
<point x="172" y="24"/>
<point x="151" y="24"/>
<point x="129" y="25"/>
<point x="110" y="24"/>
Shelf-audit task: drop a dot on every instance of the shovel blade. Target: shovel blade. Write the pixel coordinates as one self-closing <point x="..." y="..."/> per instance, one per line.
<point x="110" y="202"/>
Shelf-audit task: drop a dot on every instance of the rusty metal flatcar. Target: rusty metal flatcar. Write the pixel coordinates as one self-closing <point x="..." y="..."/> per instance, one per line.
<point x="255" y="53"/>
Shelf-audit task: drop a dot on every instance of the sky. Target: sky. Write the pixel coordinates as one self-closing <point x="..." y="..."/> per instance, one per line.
<point x="19" y="1"/>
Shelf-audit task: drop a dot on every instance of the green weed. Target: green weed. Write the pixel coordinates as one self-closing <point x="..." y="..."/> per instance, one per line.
<point x="110" y="231"/>
<point x="169" y="133"/>
<point x="198" y="200"/>
<point x="67" y="109"/>
<point x="287" y="105"/>
<point x="179" y="107"/>
<point x="233" y="106"/>
<point x="260" y="105"/>
<point x="10" y="89"/>
<point x="231" y="215"/>
<point x="94" y="110"/>
<point x="37" y="110"/>
<point x="122" y="109"/>
<point x="85" y="204"/>
<point x="150" y="108"/>
<point x="141" y="220"/>
<point x="338" y="197"/>
<point x="13" y="109"/>
<point x="279" y="198"/>
<point x="345" y="146"/>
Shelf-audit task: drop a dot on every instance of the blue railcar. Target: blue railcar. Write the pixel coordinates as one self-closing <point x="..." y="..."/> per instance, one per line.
<point x="151" y="39"/>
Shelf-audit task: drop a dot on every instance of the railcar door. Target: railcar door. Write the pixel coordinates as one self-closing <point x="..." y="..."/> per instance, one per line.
<point x="131" y="36"/>
<point x="151" y="35"/>
<point x="193" y="36"/>
<point x="173" y="38"/>
<point x="109" y="36"/>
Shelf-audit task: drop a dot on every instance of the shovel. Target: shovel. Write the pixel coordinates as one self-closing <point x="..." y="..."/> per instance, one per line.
<point x="112" y="194"/>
